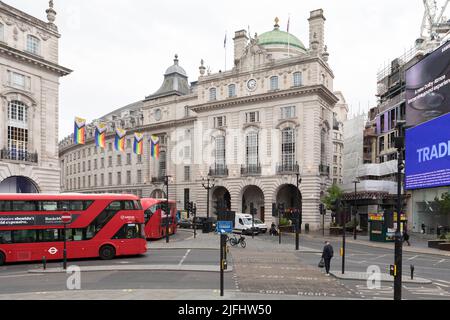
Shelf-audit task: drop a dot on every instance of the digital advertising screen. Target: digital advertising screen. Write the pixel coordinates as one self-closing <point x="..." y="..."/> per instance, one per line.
<point x="428" y="87"/>
<point x="428" y="154"/>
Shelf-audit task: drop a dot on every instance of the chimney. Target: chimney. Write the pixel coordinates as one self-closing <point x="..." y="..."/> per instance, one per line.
<point x="317" y="31"/>
<point x="240" y="42"/>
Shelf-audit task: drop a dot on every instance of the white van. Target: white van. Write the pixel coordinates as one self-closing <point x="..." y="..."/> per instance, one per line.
<point x="261" y="226"/>
<point x="243" y="224"/>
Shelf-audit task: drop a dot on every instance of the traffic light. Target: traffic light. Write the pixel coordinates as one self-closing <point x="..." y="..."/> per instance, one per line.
<point x="393" y="270"/>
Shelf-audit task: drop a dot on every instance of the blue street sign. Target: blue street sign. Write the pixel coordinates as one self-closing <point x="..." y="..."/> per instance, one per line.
<point x="224" y="226"/>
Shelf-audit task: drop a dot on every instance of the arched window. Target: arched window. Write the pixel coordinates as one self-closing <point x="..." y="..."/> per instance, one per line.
<point x="220" y="153"/>
<point x="274" y="83"/>
<point x="212" y="94"/>
<point x="252" y="152"/>
<point x="288" y="149"/>
<point x="17" y="112"/>
<point x="232" y="91"/>
<point x="297" y="79"/>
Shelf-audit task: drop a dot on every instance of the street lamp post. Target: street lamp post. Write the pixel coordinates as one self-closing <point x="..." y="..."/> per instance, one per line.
<point x="297" y="216"/>
<point x="65" y="219"/>
<point x="400" y="145"/>
<point x="355" y="211"/>
<point x="166" y="183"/>
<point x="208" y="184"/>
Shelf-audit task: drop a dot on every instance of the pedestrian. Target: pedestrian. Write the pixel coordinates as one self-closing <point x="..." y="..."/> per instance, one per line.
<point x="273" y="230"/>
<point x="406" y="238"/>
<point x="327" y="255"/>
<point x="423" y="228"/>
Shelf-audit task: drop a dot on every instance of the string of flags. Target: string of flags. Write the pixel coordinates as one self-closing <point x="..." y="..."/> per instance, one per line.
<point x="101" y="130"/>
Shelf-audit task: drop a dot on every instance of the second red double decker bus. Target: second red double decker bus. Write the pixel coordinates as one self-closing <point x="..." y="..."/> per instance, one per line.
<point x="102" y="226"/>
<point x="156" y="219"/>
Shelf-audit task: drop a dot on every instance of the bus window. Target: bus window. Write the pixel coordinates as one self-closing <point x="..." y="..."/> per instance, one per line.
<point x="129" y="231"/>
<point x="24" y="236"/>
<point x="149" y="213"/>
<point x="48" y="206"/>
<point x="128" y="205"/>
<point x="5" y="237"/>
<point x="49" y="235"/>
<point x="102" y="219"/>
<point x="5" y="206"/>
<point x="24" y="206"/>
<point x="116" y="206"/>
<point x="137" y="205"/>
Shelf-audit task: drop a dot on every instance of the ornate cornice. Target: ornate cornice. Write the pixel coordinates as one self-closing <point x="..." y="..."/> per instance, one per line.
<point x="267" y="67"/>
<point x="32" y="59"/>
<point x="320" y="90"/>
<point x="11" y="15"/>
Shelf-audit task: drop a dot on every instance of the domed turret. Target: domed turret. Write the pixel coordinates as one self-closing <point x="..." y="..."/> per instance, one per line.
<point x="277" y="41"/>
<point x="175" y="82"/>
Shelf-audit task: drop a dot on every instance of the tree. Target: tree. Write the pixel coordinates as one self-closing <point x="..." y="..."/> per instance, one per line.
<point x="443" y="204"/>
<point x="334" y="193"/>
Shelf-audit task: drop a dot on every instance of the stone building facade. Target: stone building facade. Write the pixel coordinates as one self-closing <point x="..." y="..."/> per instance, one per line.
<point x="29" y="93"/>
<point x="252" y="130"/>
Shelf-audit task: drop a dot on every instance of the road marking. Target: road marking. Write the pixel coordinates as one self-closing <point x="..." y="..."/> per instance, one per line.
<point x="442" y="285"/>
<point x="358" y="262"/>
<point x="441" y="261"/>
<point x="379" y="257"/>
<point x="184" y="258"/>
<point x="20" y="275"/>
<point x="412" y="258"/>
<point x="439" y="280"/>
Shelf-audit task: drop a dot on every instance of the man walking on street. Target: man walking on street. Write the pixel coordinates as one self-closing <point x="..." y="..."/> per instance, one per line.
<point x="327" y="255"/>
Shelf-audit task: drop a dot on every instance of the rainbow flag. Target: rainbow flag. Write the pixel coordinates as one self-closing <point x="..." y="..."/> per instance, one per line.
<point x="79" y="133"/>
<point x="100" y="135"/>
<point x="155" y="147"/>
<point x="138" y="144"/>
<point x="119" y="144"/>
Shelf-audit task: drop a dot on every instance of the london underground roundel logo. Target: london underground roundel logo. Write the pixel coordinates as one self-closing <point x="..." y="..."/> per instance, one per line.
<point x="53" y="251"/>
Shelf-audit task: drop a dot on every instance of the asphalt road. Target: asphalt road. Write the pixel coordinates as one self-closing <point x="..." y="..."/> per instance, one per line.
<point x="359" y="257"/>
<point x="15" y="278"/>
<point x="260" y="268"/>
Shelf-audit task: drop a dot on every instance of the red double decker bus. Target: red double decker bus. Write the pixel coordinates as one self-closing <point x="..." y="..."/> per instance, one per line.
<point x="156" y="218"/>
<point x="102" y="226"/>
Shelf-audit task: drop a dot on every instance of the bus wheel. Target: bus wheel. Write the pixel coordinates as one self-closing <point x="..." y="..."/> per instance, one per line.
<point x="107" y="252"/>
<point x="2" y="258"/>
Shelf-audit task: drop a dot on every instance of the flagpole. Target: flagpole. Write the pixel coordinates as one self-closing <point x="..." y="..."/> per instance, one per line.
<point x="225" y="48"/>
<point x="289" y="38"/>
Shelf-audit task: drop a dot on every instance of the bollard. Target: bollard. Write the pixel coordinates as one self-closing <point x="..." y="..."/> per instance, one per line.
<point x="412" y="272"/>
<point x="44" y="263"/>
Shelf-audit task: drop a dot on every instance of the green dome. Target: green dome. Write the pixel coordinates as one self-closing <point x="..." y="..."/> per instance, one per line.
<point x="278" y="37"/>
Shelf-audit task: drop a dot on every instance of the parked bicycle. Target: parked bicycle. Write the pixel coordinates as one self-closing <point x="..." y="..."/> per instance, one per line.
<point x="235" y="241"/>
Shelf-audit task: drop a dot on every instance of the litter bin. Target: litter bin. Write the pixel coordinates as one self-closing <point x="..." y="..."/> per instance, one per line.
<point x="307" y="228"/>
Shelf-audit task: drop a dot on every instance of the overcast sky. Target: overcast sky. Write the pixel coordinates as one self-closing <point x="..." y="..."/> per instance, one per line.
<point x="120" y="49"/>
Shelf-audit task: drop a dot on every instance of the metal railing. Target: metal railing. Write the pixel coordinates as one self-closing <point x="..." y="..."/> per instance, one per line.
<point x="288" y="168"/>
<point x="18" y="155"/>
<point x="218" y="171"/>
<point x="251" y="170"/>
